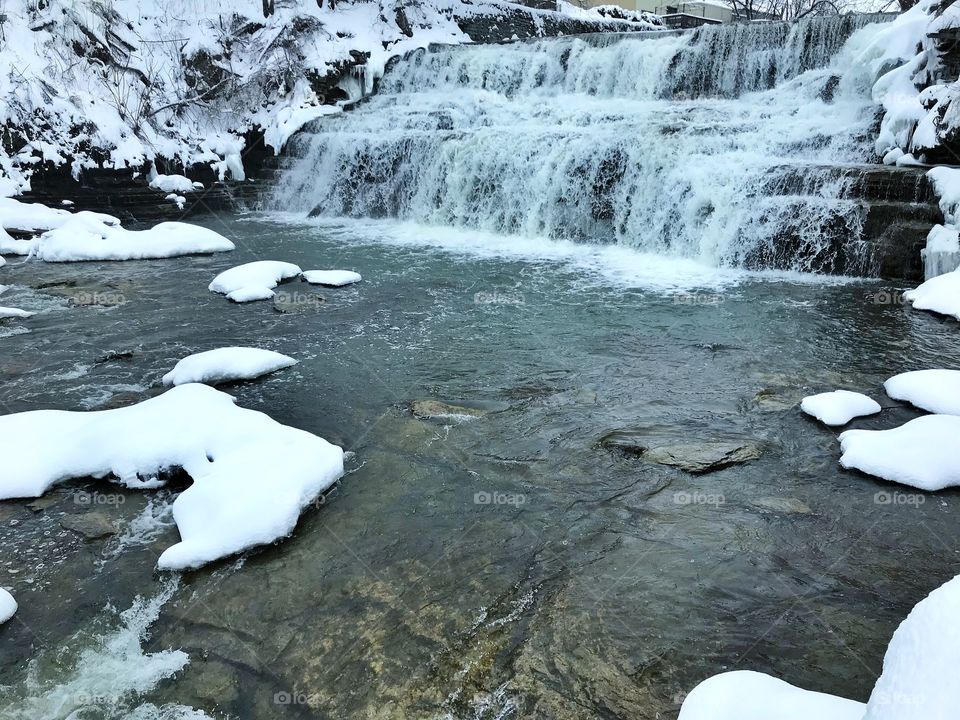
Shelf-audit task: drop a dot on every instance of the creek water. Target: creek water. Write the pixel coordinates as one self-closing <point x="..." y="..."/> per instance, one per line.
<point x="504" y="566"/>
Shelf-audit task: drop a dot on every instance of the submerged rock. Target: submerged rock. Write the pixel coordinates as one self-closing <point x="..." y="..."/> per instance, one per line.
<point x="436" y="410"/>
<point x="695" y="457"/>
<point x="91" y="525"/>
<point x="700" y="458"/>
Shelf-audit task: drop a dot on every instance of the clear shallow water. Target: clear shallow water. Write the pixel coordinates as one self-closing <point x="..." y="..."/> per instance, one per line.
<point x="613" y="587"/>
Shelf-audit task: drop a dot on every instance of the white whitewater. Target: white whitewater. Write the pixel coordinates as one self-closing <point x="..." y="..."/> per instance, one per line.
<point x="720" y="146"/>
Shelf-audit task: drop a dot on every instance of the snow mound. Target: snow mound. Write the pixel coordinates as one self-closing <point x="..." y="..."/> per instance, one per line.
<point x="331" y="278"/>
<point x="251" y="475"/>
<point x="940" y="295"/>
<point x="919" y="678"/>
<point x="172" y="184"/>
<point x="84" y="238"/>
<point x="838" y="407"/>
<point x="254" y="280"/>
<point x="226" y="364"/>
<point x="921" y="453"/>
<point x="7" y="312"/>
<point x="936" y="391"/>
<point x="747" y="695"/>
<point x="8" y="606"/>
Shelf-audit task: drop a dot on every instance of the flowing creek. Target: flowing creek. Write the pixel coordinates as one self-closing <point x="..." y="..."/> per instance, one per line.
<point x="506" y="565"/>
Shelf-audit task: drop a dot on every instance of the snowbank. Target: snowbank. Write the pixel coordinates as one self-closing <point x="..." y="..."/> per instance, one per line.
<point x="921" y="453"/>
<point x="254" y="280"/>
<point x="918" y="680"/>
<point x="940" y="294"/>
<point x="8" y="606"/>
<point x="331" y="278"/>
<point x="936" y="391"/>
<point x="251" y="475"/>
<point x="838" y="407"/>
<point x="83" y="238"/>
<point x="226" y="364"/>
<point x="746" y="695"/>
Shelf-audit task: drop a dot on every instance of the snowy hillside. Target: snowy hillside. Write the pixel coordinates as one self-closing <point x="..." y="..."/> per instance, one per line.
<point x="117" y="83"/>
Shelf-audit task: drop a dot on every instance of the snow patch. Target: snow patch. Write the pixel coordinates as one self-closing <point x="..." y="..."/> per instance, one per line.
<point x="331" y="278"/>
<point x="839" y="407"/>
<point x="936" y="391"/>
<point x="83" y="238"/>
<point x="8" y="606"/>
<point x="251" y="475"/>
<point x="254" y="280"/>
<point x="226" y="364"/>
<point x="921" y="453"/>
<point x="172" y="184"/>
<point x="940" y="294"/>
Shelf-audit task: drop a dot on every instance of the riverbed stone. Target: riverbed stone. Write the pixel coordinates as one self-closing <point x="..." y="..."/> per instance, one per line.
<point x="784" y="505"/>
<point x="706" y="457"/>
<point x="91" y="525"/>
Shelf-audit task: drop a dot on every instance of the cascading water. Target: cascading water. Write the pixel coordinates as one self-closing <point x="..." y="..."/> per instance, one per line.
<point x="720" y="145"/>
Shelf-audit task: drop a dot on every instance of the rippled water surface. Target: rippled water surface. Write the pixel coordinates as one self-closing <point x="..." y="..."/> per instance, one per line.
<point x="505" y="566"/>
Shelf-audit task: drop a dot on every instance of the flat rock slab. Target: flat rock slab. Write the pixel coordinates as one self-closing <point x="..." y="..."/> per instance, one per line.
<point x="698" y="458"/>
<point x="436" y="410"/>
<point x="91" y="525"/>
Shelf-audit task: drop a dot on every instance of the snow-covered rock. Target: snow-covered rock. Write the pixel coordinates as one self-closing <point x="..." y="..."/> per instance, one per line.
<point x="746" y="695"/>
<point x="940" y="294"/>
<point x="251" y="475"/>
<point x="331" y="278"/>
<point x="8" y="312"/>
<point x="254" y="280"/>
<point x="85" y="238"/>
<point x="936" y="391"/>
<point x="918" y="680"/>
<point x="921" y="453"/>
<point x="839" y="407"/>
<point x="8" y="606"/>
<point x="226" y="364"/>
<point x="34" y="217"/>
<point x="177" y="184"/>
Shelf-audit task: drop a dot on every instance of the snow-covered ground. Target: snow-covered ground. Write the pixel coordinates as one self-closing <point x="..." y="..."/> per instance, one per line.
<point x="838" y="407"/>
<point x="918" y="681"/>
<point x="936" y="391"/>
<point x="225" y="365"/>
<point x="251" y="475"/>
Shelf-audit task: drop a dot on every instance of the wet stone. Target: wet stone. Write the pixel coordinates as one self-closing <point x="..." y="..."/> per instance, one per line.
<point x="91" y="525"/>
<point x="701" y="458"/>
<point x="784" y="505"/>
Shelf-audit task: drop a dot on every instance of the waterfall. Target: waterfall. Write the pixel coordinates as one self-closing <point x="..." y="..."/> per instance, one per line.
<point x="719" y="145"/>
